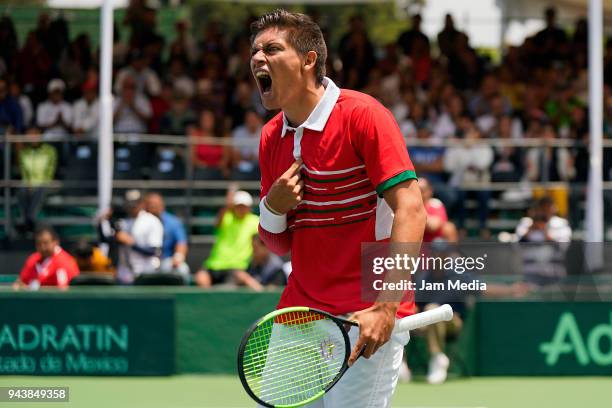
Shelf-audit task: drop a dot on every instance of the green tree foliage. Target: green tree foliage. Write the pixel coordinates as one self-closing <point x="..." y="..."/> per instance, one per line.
<point x="382" y="20"/>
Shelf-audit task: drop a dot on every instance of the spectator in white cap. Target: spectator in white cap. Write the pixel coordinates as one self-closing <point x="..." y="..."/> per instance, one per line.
<point x="54" y="116"/>
<point x="236" y="225"/>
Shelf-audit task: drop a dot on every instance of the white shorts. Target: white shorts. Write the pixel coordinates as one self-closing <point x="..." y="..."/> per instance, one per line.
<point x="369" y="383"/>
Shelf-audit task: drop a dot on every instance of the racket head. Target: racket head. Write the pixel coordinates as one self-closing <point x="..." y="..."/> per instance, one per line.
<point x="293" y="356"/>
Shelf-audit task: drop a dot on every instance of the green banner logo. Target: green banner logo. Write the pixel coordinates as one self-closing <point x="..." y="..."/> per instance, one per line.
<point x="567" y="339"/>
<point x="87" y="336"/>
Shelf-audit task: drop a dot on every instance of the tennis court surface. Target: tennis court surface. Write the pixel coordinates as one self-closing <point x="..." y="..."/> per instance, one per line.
<point x="187" y="391"/>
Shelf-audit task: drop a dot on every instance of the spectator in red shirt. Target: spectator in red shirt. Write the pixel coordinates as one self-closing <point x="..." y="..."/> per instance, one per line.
<point x="211" y="160"/>
<point x="50" y="265"/>
<point x="438" y="226"/>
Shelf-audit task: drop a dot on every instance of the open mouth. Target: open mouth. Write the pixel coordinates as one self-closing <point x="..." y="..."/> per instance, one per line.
<point x="265" y="81"/>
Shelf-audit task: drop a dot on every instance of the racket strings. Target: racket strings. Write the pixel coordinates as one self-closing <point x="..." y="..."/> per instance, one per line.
<point x="293" y="357"/>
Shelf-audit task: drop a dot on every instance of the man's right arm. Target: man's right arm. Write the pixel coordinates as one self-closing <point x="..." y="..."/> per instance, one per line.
<point x="277" y="198"/>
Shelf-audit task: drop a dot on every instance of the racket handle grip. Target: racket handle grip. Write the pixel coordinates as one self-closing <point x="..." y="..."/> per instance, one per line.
<point x="416" y="321"/>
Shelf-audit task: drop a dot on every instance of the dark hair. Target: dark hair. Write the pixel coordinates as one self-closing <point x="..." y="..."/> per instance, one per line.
<point x="83" y="249"/>
<point x="545" y="202"/>
<point x="303" y="34"/>
<point x="41" y="229"/>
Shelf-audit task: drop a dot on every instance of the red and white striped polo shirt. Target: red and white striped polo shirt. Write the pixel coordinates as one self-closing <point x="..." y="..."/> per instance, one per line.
<point x="352" y="150"/>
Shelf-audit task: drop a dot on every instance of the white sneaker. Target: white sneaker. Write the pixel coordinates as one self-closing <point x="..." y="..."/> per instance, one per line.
<point x="405" y="375"/>
<point x="438" y="366"/>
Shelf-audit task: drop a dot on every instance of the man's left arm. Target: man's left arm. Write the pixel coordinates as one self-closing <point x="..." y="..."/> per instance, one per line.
<point x="153" y="244"/>
<point x="376" y="322"/>
<point x="377" y="138"/>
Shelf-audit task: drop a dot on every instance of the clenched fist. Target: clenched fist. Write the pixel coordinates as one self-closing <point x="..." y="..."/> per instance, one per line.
<point x="287" y="191"/>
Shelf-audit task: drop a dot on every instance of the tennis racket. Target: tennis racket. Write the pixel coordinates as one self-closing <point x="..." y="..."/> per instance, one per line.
<point x="293" y="356"/>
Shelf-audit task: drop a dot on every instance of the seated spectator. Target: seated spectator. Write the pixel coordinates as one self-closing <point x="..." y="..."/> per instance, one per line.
<point x="265" y="268"/>
<point x="86" y="111"/>
<point x="179" y="117"/>
<point x="547" y="236"/>
<point x="416" y="119"/>
<point x="508" y="163"/>
<point x="243" y="101"/>
<point x="550" y="164"/>
<point x="184" y="46"/>
<point x="445" y="125"/>
<point x="356" y="52"/>
<point x="132" y="109"/>
<point x="488" y="122"/>
<point x="246" y="147"/>
<point x="204" y="97"/>
<point x="470" y="163"/>
<point x="90" y="258"/>
<point x="464" y="65"/>
<point x="178" y="76"/>
<point x="160" y="104"/>
<point x="37" y="165"/>
<point x="54" y="116"/>
<point x="72" y="65"/>
<point x="174" y="246"/>
<point x="438" y="226"/>
<point x="482" y="101"/>
<point x="145" y="79"/>
<point x="11" y="115"/>
<point x="35" y="65"/>
<point x="427" y="157"/>
<point x="50" y="265"/>
<point x="25" y="102"/>
<point x="233" y="247"/>
<point x="10" y="45"/>
<point x="140" y="238"/>
<point x="211" y="161"/>
<point x="402" y="107"/>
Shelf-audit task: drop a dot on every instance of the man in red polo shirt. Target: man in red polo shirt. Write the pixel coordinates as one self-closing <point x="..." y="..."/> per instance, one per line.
<point x="50" y="265"/>
<point x="335" y="173"/>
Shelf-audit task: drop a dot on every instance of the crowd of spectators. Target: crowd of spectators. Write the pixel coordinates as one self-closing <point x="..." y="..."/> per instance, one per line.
<point x="141" y="243"/>
<point x="200" y="85"/>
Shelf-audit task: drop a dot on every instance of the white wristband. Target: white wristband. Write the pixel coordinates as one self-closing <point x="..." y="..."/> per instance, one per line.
<point x="269" y="221"/>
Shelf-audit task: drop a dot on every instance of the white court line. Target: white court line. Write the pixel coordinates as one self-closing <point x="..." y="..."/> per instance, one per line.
<point x="393" y="406"/>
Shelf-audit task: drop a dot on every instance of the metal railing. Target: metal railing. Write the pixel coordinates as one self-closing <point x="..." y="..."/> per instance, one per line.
<point x="189" y="184"/>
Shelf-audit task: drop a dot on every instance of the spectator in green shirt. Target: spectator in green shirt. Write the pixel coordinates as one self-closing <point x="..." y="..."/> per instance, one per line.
<point x="37" y="165"/>
<point x="233" y="246"/>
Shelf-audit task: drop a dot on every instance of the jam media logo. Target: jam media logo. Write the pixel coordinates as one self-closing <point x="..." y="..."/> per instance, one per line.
<point x="567" y="339"/>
